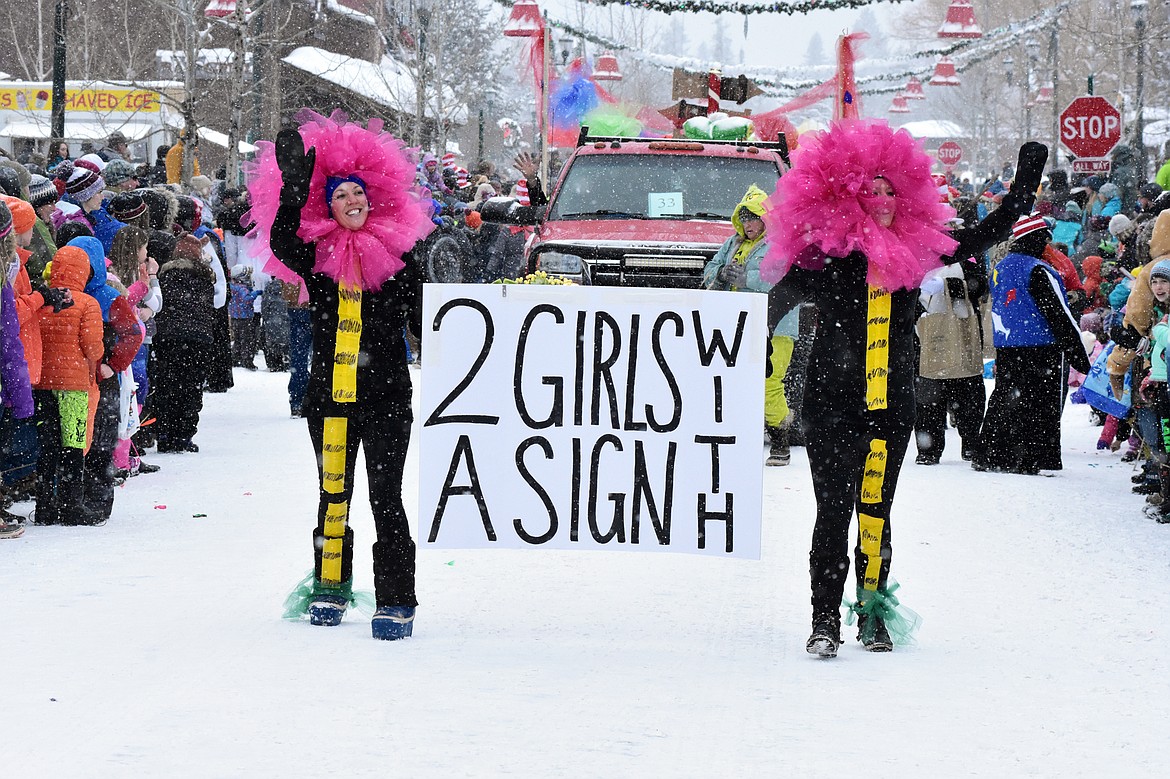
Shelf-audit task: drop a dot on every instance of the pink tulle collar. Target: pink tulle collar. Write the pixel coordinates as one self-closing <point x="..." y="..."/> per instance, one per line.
<point x="821" y="207"/>
<point x="365" y="258"/>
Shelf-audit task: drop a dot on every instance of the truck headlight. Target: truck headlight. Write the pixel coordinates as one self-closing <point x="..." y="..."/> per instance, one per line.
<point x="558" y="262"/>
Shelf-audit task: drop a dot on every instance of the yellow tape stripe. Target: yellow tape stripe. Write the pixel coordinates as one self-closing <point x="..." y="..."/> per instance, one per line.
<point x="348" y="343"/>
<point x="331" y="561"/>
<point x="874" y="477"/>
<point x="871" y="546"/>
<point x="877" y="349"/>
<point x="336" y="515"/>
<point x="333" y="454"/>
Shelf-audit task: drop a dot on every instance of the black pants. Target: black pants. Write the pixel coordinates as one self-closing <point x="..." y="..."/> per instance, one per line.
<point x="60" y="469"/>
<point x="99" y="460"/>
<point x="965" y="397"/>
<point x="181" y="369"/>
<point x="244" y="334"/>
<point x="219" y="370"/>
<point x="1021" y="431"/>
<point x="385" y="439"/>
<point x="855" y="462"/>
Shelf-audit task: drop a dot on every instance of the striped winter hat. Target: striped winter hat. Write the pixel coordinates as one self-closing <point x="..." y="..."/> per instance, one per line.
<point x="522" y="192"/>
<point x="41" y="191"/>
<point x="448" y="161"/>
<point x="461" y="176"/>
<point x="1028" y="224"/>
<point x="84" y="184"/>
<point x="127" y="206"/>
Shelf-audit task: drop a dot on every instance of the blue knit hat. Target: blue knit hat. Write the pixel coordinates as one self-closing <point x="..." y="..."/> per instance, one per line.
<point x="1161" y="270"/>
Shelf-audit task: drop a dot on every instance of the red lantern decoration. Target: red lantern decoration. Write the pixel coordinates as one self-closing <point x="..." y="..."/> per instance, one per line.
<point x="944" y="74"/>
<point x="1045" y="93"/>
<point x="913" y="89"/>
<point x="525" y="21"/>
<point x="220" y="8"/>
<point x="606" y="68"/>
<point x="960" y="21"/>
<point x="899" y="105"/>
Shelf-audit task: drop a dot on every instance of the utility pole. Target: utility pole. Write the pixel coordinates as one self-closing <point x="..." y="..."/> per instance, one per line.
<point x="58" y="114"/>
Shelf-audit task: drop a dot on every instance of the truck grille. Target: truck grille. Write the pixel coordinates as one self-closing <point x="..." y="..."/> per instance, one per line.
<point x="679" y="262"/>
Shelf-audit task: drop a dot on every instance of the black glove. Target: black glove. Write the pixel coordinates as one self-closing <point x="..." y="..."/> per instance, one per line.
<point x="956" y="289"/>
<point x="733" y="274"/>
<point x="1030" y="168"/>
<point x="55" y="297"/>
<point x="296" y="168"/>
<point x="1125" y="336"/>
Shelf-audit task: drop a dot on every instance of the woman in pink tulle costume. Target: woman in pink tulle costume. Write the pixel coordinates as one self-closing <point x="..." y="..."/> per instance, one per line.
<point x="341" y="219"/>
<point x="855" y="225"/>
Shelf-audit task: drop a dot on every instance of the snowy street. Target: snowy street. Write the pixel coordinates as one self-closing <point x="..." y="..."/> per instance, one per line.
<point x="154" y="646"/>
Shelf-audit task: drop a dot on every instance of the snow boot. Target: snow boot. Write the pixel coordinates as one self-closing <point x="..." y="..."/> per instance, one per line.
<point x="327" y="609"/>
<point x="391" y="623"/>
<point x="778" y="452"/>
<point x="872" y="633"/>
<point x="825" y="638"/>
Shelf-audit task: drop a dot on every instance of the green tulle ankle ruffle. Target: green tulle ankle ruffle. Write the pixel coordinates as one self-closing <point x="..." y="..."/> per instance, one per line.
<point x="901" y="622"/>
<point x="296" y="605"/>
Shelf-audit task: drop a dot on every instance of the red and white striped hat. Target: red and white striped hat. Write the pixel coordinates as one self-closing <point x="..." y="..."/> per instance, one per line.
<point x="1028" y="224"/>
<point x="461" y="176"/>
<point x="522" y="192"/>
<point x="448" y="161"/>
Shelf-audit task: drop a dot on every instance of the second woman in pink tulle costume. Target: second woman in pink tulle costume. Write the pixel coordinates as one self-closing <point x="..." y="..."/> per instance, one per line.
<point x="855" y="225"/>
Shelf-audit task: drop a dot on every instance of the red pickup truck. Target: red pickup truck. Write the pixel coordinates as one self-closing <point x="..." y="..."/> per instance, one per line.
<point x="647" y="212"/>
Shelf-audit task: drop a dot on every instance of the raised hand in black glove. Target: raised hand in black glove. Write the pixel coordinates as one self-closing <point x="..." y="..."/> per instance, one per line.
<point x="1029" y="170"/>
<point x="57" y="297"/>
<point x="296" y="168"/>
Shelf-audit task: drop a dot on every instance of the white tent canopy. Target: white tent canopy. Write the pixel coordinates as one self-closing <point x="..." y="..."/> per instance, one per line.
<point x="79" y="131"/>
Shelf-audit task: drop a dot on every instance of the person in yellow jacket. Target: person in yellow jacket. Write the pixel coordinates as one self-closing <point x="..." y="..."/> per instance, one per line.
<point x="736" y="266"/>
<point x="175" y="162"/>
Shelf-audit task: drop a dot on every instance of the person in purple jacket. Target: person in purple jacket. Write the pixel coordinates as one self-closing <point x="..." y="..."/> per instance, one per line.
<point x="15" y="387"/>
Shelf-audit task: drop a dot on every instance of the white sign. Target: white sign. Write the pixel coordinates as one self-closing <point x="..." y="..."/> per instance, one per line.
<point x="1092" y="165"/>
<point x="592" y="418"/>
<point x="663" y="203"/>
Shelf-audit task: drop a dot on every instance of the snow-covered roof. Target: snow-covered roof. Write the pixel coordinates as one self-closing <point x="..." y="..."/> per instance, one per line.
<point x="933" y="128"/>
<point x="334" y="5"/>
<point x="221" y="140"/>
<point x="388" y="84"/>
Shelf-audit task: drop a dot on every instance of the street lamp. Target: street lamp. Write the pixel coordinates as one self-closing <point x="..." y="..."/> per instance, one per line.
<point x="422" y="13"/>
<point x="1138" y="9"/>
<point x="1032" y="47"/>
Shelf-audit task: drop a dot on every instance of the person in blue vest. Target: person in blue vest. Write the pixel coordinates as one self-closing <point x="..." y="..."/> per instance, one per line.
<point x="1035" y="333"/>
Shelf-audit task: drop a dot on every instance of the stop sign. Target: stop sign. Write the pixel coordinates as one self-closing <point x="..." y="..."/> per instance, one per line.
<point x="949" y="153"/>
<point x="1090" y="127"/>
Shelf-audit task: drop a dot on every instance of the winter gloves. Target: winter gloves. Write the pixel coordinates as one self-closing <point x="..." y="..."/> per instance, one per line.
<point x="296" y="168"/>
<point x="733" y="274"/>
<point x="1029" y="170"/>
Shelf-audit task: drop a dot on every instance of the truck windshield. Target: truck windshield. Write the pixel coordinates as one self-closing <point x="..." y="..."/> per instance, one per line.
<point x="658" y="186"/>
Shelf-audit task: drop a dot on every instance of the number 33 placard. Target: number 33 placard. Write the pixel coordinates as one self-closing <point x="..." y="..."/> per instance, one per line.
<point x="662" y="203"/>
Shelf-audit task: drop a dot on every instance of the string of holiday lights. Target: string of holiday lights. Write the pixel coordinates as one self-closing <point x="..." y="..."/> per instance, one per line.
<point x="776" y="81"/>
<point x="712" y="7"/>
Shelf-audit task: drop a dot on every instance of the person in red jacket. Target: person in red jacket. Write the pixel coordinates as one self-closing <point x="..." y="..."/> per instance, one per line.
<point x="121" y="338"/>
<point x="71" y="341"/>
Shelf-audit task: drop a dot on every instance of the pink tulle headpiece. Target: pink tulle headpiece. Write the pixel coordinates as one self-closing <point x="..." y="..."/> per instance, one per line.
<point x="821" y="207"/>
<point x="368" y="257"/>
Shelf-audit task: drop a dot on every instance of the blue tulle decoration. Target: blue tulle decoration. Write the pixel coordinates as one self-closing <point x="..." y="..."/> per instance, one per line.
<point x="573" y="97"/>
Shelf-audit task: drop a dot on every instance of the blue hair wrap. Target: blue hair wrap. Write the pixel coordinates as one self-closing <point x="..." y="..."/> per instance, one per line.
<point x="333" y="182"/>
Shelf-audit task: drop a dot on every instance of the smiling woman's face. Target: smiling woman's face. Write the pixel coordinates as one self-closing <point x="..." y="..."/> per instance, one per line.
<point x="349" y="206"/>
<point x="881" y="203"/>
